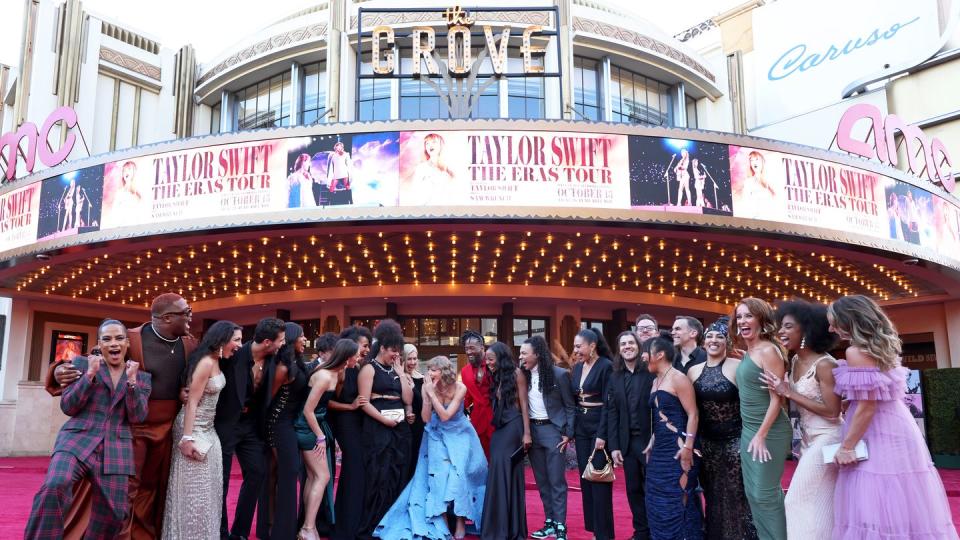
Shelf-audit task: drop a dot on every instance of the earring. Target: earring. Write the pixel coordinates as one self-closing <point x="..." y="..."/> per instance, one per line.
<point x="803" y="342"/>
<point x="221" y="352"/>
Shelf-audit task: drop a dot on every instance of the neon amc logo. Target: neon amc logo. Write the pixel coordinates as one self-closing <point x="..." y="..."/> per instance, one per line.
<point x="11" y="148"/>
<point x="926" y="158"/>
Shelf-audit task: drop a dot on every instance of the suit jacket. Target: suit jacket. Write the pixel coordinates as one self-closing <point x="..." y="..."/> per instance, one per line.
<point x="619" y="413"/>
<point x="135" y="352"/>
<point x="101" y="414"/>
<point x="598" y="379"/>
<point x="236" y="370"/>
<point x="560" y="402"/>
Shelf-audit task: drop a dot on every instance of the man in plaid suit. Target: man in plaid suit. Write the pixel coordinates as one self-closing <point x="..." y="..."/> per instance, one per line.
<point x="95" y="443"/>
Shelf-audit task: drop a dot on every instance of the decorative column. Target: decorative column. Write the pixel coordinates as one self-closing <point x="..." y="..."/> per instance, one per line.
<point x="565" y="26"/>
<point x="335" y="27"/>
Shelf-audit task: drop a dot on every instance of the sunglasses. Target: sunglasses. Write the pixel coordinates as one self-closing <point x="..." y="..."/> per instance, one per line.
<point x="185" y="313"/>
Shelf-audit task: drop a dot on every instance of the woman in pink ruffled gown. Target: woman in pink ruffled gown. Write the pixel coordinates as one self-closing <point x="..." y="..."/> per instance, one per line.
<point x="895" y="493"/>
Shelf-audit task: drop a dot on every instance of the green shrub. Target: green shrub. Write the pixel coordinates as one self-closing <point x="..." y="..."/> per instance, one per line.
<point x="941" y="392"/>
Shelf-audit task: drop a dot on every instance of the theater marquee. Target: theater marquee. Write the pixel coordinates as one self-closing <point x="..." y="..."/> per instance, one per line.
<point x="480" y="170"/>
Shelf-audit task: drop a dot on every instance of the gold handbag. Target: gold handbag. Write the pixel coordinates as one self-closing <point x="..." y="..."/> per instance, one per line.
<point x="604" y="475"/>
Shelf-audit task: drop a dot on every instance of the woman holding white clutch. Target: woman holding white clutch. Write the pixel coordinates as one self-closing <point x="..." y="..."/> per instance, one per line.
<point x="385" y="436"/>
<point x="804" y="330"/>
<point x="195" y="490"/>
<point x="896" y="492"/>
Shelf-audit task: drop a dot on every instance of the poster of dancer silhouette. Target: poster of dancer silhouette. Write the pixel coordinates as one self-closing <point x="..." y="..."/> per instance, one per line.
<point x="71" y="203"/>
<point x="679" y="175"/>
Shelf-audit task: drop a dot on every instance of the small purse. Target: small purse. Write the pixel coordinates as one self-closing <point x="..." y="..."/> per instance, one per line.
<point x="203" y="446"/>
<point x="604" y="475"/>
<point x="860" y="450"/>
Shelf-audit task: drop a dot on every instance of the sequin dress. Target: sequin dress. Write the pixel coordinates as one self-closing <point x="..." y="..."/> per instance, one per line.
<point x="195" y="490"/>
<point x="809" y="500"/>
<point x="728" y="512"/>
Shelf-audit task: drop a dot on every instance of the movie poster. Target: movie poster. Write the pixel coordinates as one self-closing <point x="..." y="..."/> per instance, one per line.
<point x="345" y="169"/>
<point x="678" y="175"/>
<point x="18" y="216"/>
<point x="200" y="183"/>
<point x="71" y="203"/>
<point x="946" y="223"/>
<point x="65" y="346"/>
<point x="512" y="168"/>
<point x="794" y="189"/>
<point x="910" y="214"/>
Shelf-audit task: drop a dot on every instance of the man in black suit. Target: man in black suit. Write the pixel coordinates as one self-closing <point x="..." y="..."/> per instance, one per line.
<point x="687" y="333"/>
<point x="551" y="406"/>
<point x="628" y="423"/>
<point x="236" y="422"/>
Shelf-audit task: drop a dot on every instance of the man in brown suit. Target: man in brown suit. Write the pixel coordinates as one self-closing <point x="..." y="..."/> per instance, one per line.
<point x="162" y="347"/>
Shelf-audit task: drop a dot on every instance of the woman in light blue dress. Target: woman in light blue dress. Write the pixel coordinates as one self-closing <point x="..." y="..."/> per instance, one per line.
<point x="451" y="471"/>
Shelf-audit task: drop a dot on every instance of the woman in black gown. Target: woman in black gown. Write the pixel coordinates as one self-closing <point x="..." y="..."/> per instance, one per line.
<point x="288" y="380"/>
<point x="411" y="361"/>
<point x="346" y="420"/>
<point x="504" y="505"/>
<point x="385" y="437"/>
<point x="718" y="401"/>
<point x="589" y="381"/>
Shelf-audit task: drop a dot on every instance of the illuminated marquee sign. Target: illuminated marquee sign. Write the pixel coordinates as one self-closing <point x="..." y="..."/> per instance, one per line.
<point x="38" y="142"/>
<point x="926" y="158"/>
<point x="558" y="166"/>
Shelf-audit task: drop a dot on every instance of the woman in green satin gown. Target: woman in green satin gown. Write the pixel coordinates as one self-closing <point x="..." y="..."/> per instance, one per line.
<point x="766" y="436"/>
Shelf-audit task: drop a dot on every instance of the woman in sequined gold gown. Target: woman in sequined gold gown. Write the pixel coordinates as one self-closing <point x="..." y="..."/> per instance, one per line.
<point x="718" y="400"/>
<point x="195" y="490"/>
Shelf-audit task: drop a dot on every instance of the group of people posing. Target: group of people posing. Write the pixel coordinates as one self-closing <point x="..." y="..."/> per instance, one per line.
<point x="440" y="456"/>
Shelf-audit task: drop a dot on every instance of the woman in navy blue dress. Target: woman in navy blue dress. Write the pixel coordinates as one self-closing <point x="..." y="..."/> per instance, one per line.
<point x="673" y="462"/>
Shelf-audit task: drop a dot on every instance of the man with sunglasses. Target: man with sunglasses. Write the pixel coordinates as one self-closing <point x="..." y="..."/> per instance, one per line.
<point x="161" y="347"/>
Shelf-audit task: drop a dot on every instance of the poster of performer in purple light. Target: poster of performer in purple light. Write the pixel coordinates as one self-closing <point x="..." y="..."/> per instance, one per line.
<point x="679" y="175"/>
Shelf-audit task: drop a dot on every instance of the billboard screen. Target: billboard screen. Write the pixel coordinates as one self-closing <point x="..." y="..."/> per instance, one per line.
<point x="479" y="168"/>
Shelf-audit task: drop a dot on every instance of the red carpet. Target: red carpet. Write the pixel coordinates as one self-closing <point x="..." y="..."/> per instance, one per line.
<point x="21" y="477"/>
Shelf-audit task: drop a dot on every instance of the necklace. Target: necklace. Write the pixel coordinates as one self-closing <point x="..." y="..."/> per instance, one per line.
<point x="172" y="342"/>
<point x="661" y="378"/>
<point x="379" y="365"/>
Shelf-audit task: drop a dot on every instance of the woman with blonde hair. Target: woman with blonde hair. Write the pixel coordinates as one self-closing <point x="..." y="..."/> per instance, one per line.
<point x="411" y="361"/>
<point x="451" y="470"/>
<point x="893" y="490"/>
<point x="766" y="436"/>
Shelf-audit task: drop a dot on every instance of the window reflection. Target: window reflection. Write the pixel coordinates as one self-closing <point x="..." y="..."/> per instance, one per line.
<point x="637" y="99"/>
<point x="264" y="104"/>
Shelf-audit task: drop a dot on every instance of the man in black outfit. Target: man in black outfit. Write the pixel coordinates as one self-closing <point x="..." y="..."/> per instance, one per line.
<point x="236" y="421"/>
<point x="628" y="424"/>
<point x="687" y="333"/>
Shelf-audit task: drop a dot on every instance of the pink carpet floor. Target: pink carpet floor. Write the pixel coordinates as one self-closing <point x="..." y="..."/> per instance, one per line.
<point x="21" y="477"/>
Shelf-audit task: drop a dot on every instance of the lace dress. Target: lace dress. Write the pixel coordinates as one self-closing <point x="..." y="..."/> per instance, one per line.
<point x="195" y="490"/>
<point x="728" y="513"/>
<point x="809" y="500"/>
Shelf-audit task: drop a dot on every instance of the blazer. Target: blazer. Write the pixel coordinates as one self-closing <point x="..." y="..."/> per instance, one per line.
<point x="236" y="370"/>
<point x="101" y="414"/>
<point x="559" y="402"/>
<point x="619" y="413"/>
<point x="597" y="382"/>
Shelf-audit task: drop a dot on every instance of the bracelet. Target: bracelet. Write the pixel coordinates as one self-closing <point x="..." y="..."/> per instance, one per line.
<point x="321" y="439"/>
<point x="186" y="438"/>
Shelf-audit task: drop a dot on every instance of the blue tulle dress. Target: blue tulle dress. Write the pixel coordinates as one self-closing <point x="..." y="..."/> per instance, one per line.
<point x="451" y="472"/>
